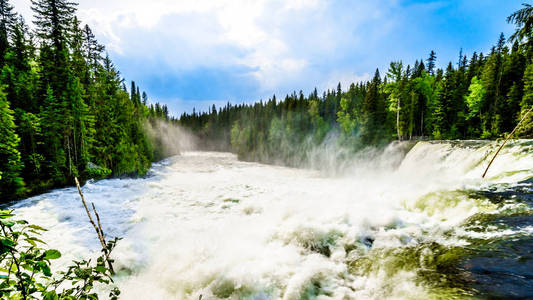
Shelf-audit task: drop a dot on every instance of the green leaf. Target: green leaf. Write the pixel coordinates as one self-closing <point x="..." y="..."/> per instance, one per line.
<point x="31" y="242"/>
<point x="52" y="254"/>
<point x="52" y="295"/>
<point x="37" y="227"/>
<point x="7" y="242"/>
<point x="37" y="240"/>
<point x="8" y="223"/>
<point x="27" y="267"/>
<point x="46" y="270"/>
<point x="5" y="214"/>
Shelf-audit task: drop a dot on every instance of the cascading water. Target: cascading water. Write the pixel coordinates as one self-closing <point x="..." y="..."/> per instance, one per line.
<point x="416" y="226"/>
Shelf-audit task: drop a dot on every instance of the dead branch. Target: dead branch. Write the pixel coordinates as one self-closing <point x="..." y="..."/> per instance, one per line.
<point x="98" y="229"/>
<point x="508" y="137"/>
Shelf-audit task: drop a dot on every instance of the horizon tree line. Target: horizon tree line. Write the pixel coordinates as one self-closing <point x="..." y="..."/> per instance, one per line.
<point x="482" y="96"/>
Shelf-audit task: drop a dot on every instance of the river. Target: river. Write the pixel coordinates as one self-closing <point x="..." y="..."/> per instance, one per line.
<point x="416" y="225"/>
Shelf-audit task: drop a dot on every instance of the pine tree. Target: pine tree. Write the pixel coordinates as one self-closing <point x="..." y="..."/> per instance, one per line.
<point x="145" y="98"/>
<point x="10" y="161"/>
<point x="53" y="22"/>
<point x="81" y="124"/>
<point x="527" y="102"/>
<point x="445" y="114"/>
<point x="491" y="78"/>
<point x="77" y="63"/>
<point x="7" y="21"/>
<point x="106" y="123"/>
<point x="431" y="62"/>
<point x="53" y="126"/>
<point x="133" y="92"/>
<point x="53" y="19"/>
<point x="92" y="50"/>
<point x="30" y="133"/>
<point x="523" y="20"/>
<point x="17" y="72"/>
<point x="512" y="87"/>
<point x="473" y="69"/>
<point x="373" y="111"/>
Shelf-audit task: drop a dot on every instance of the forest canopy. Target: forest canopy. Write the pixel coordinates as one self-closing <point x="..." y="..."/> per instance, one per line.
<point x="64" y="109"/>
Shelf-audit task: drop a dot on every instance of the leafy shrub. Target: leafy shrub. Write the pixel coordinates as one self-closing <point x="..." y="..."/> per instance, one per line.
<point x="97" y="172"/>
<point x="25" y="271"/>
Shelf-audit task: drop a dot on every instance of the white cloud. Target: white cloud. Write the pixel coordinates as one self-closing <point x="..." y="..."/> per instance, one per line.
<point x="203" y="30"/>
<point x="280" y="43"/>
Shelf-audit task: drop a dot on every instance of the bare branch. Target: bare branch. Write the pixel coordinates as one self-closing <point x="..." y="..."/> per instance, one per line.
<point x="508" y="137"/>
<point x="98" y="229"/>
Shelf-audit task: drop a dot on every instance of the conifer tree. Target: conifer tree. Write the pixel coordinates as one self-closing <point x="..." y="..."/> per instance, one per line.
<point x="431" y="62"/>
<point x="53" y="127"/>
<point x="527" y="102"/>
<point x="523" y="20"/>
<point x="490" y="77"/>
<point x="512" y="87"/>
<point x="17" y="73"/>
<point x="10" y="162"/>
<point x="92" y="50"/>
<point x="373" y="110"/>
<point x="53" y="22"/>
<point x="7" y="22"/>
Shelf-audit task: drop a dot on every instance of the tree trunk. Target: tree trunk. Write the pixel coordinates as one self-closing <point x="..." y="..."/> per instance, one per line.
<point x="398" y="120"/>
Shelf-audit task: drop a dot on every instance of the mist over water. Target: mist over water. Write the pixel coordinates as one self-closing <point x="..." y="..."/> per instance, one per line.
<point x="407" y="222"/>
<point x="170" y="139"/>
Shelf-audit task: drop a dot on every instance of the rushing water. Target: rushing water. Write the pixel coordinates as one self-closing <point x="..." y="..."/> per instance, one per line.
<point x="420" y="225"/>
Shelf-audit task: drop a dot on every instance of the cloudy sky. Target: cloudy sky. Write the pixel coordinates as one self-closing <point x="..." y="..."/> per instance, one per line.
<point x="191" y="53"/>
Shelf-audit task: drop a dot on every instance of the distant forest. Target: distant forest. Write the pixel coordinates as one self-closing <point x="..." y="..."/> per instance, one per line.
<point x="482" y="96"/>
<point x="64" y="108"/>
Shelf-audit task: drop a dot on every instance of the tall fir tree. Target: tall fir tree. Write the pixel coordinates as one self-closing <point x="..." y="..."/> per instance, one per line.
<point x="10" y="162"/>
<point x="431" y="62"/>
<point x="8" y="19"/>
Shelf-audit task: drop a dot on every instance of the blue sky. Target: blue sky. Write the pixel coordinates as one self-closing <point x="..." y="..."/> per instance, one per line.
<point x="192" y="53"/>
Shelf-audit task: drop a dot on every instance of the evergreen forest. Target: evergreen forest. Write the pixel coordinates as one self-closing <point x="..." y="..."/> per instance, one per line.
<point x="479" y="96"/>
<point x="64" y="108"/>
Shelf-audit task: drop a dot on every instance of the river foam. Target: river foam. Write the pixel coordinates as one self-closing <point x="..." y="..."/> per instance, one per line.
<point x="207" y="224"/>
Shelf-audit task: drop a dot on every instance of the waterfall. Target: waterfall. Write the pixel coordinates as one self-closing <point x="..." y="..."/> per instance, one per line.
<point x="396" y="226"/>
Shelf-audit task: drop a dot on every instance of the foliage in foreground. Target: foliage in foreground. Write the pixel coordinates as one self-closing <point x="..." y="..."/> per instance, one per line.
<point x="25" y="266"/>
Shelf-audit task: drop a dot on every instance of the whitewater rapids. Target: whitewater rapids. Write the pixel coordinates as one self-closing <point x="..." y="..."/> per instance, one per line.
<point x="204" y="223"/>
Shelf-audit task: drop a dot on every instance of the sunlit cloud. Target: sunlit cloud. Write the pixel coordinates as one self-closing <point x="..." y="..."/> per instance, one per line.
<point x="191" y="34"/>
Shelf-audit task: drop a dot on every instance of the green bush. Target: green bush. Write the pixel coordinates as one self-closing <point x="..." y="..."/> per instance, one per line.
<point x="97" y="173"/>
<point x="25" y="271"/>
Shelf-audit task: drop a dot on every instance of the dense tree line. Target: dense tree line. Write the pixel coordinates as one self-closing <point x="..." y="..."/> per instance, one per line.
<point x="481" y="96"/>
<point x="64" y="109"/>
